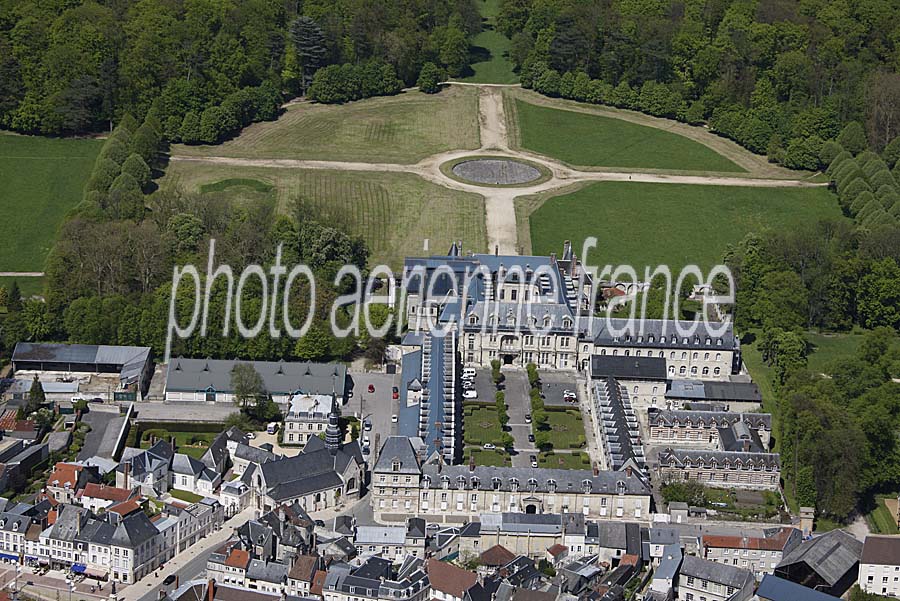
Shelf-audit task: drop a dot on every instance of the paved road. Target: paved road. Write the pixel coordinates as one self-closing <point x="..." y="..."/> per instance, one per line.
<point x="377" y="406"/>
<point x="98" y="420"/>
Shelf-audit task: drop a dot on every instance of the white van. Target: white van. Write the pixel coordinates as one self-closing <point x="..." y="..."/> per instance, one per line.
<point x="468" y="372"/>
<point x="272" y="428"/>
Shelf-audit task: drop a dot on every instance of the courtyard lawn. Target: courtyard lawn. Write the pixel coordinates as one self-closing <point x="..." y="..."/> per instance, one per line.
<point x="185" y="495"/>
<point x="481" y="425"/>
<point x="42" y="179"/>
<point x="565" y="461"/>
<point x="394" y="129"/>
<point x="495" y="458"/>
<point x="490" y="50"/>
<point x="395" y="213"/>
<point x="566" y="429"/>
<point x="594" y="141"/>
<point x="27" y="286"/>
<point x="642" y="224"/>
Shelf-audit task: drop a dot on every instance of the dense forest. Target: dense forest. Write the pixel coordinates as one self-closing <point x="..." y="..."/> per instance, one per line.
<point x="70" y="67"/>
<point x="780" y="77"/>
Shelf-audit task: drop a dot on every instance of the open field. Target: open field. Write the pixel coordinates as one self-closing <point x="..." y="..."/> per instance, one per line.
<point x="594" y="141"/>
<point x="643" y="224"/>
<point x="394" y="129"/>
<point x="881" y="520"/>
<point x="489" y="50"/>
<point x="825" y="349"/>
<point x="393" y="212"/>
<point x="42" y="178"/>
<point x="27" y="286"/>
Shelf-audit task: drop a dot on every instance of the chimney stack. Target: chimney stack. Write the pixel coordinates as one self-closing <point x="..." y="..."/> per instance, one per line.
<point x="210" y="590"/>
<point x="472" y="463"/>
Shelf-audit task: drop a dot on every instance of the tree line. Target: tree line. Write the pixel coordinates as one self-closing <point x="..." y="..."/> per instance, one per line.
<point x="780" y="78"/>
<point x="207" y="65"/>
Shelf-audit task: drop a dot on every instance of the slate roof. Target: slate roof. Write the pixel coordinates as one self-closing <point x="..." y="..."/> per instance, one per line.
<point x="714" y="390"/>
<point x="279" y="377"/>
<point x="144" y="462"/>
<point x="399" y="448"/>
<point x="773" y="588"/>
<point x="883" y="550"/>
<point x="628" y="368"/>
<point x="217" y="453"/>
<point x="290" y="477"/>
<point x="380" y="535"/>
<point x="712" y="571"/>
<point x="253" y="454"/>
<point x="482" y="478"/>
<point x="683" y="457"/>
<point x="621" y="432"/>
<point x="267" y="571"/>
<point x="658" y="333"/>
<point x="122" y="356"/>
<point x="830" y="555"/>
<point x="716" y="419"/>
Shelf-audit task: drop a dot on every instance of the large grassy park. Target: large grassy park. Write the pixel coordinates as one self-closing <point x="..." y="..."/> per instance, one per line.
<point x="394" y="129"/>
<point x="42" y="179"/>
<point x="588" y="140"/>
<point x="490" y="50"/>
<point x="393" y="212"/>
<point x="643" y="224"/>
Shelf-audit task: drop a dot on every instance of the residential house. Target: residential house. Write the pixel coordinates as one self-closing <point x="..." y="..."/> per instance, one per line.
<point x="448" y="582"/>
<point x="147" y="469"/>
<point x="701" y="428"/>
<point x="307" y="416"/>
<point x="376" y="578"/>
<point x="773" y="588"/>
<point x="704" y="580"/>
<point x="266" y="576"/>
<point x="759" y="554"/>
<point x="219" y="454"/>
<point x="244" y="455"/>
<point x="879" y="565"/>
<point x="229" y="567"/>
<point x="67" y="479"/>
<point x="193" y="475"/>
<point x="301" y="575"/>
<point x="98" y="497"/>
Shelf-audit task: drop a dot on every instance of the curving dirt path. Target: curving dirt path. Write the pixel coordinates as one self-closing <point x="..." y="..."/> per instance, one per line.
<point x="500" y="211"/>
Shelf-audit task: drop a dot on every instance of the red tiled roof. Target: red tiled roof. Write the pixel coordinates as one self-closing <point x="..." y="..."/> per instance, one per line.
<point x="557" y="550"/>
<point x="629" y="560"/>
<point x="771" y="543"/>
<point x="304" y="568"/>
<point x="125" y="508"/>
<point x="24" y="425"/>
<point x="318" y="583"/>
<point x="107" y="493"/>
<point x="448" y="578"/>
<point x="498" y="555"/>
<point x="238" y="558"/>
<point x="64" y="473"/>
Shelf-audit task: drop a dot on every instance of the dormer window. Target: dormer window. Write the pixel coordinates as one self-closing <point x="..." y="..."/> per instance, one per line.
<point x="445" y="482"/>
<point x="650" y="338"/>
<point x="495" y="483"/>
<point x="426" y="482"/>
<point x="551" y="485"/>
<point x="461" y="482"/>
<point x="395" y="465"/>
<point x="532" y="484"/>
<point x="718" y="341"/>
<point x="586" y="486"/>
<point x="567" y="323"/>
<point x="514" y="484"/>
<point x="475" y="482"/>
<point x="546" y="321"/>
<point x="15" y="526"/>
<point x="473" y="319"/>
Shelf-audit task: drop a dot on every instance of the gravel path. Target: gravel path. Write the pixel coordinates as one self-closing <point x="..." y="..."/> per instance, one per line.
<point x="500" y="213"/>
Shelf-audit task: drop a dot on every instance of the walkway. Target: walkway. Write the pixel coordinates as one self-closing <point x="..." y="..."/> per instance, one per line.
<point x="500" y="210"/>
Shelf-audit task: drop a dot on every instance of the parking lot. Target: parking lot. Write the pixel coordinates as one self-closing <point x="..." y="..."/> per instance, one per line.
<point x="554" y="384"/>
<point x="377" y="406"/>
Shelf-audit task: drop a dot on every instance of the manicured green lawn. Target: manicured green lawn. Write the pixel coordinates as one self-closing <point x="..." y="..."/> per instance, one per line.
<point x="595" y="141"/>
<point x="40" y="180"/>
<point x="565" y="461"/>
<point x="393" y="212"/>
<point x="481" y="425"/>
<point x="185" y="495"/>
<point x="395" y="129"/>
<point x="495" y="458"/>
<point x="566" y="429"/>
<point x="27" y="286"/>
<point x="642" y="224"/>
<point x="880" y="519"/>
<point x="490" y="50"/>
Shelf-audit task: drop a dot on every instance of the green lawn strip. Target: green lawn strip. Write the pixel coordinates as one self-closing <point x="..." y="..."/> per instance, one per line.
<point x="481" y="425"/>
<point x="495" y="457"/>
<point x="880" y="519"/>
<point x="237" y="182"/>
<point x="27" y="286"/>
<point x="593" y="141"/>
<point x="185" y="495"/>
<point x="393" y="212"/>
<point x="826" y="349"/>
<point x="644" y="224"/>
<point x="566" y="429"/>
<point x="42" y="179"/>
<point x="565" y="461"/>
<point x="393" y="129"/>
<point x="490" y="50"/>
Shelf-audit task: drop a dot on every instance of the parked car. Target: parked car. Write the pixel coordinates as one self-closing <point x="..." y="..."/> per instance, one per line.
<point x="365" y="440"/>
<point x="169" y="580"/>
<point x="469" y="372"/>
<point x="470" y="394"/>
<point x="533" y="459"/>
<point x="531" y="438"/>
<point x="365" y="450"/>
<point x="395" y="393"/>
<point x="569" y="395"/>
<point x="367" y="425"/>
<point x="489" y="447"/>
<point x="468" y="385"/>
<point x="393" y="419"/>
<point x="251" y="435"/>
<point x="527" y="418"/>
<point x="371" y="388"/>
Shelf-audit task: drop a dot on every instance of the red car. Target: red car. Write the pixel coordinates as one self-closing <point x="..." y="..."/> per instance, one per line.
<point x="395" y="393"/>
<point x="371" y="388"/>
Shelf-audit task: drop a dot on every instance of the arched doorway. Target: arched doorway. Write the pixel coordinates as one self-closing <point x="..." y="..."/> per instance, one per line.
<point x="507" y="359"/>
<point x="531" y="508"/>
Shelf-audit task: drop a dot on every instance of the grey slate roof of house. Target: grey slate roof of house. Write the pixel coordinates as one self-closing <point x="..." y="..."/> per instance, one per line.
<point x="129" y="359"/>
<point x="683" y="457"/>
<point x="279" y="377"/>
<point x="143" y="462"/>
<point x="401" y="449"/>
<point x="622" y="435"/>
<point x="548" y="523"/>
<point x="628" y="368"/>
<point x="831" y="555"/>
<point x="267" y="571"/>
<point x="291" y="477"/>
<point x="657" y="333"/>
<point x="253" y="454"/>
<point x="774" y="588"/>
<point x="483" y="477"/>
<point x="713" y="390"/>
<point x="691" y="417"/>
<point x="216" y="454"/>
<point x="712" y="571"/>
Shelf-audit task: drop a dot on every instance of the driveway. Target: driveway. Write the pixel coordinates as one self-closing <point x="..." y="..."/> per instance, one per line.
<point x="518" y="402"/>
